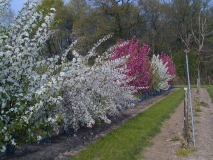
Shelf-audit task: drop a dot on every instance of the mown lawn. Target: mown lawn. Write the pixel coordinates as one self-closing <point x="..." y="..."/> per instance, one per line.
<point x="209" y="88"/>
<point x="126" y="142"/>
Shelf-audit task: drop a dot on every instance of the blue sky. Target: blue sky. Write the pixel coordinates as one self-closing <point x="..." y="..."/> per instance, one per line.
<point x="16" y="5"/>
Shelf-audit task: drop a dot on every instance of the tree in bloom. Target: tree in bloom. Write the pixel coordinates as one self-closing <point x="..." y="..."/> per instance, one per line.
<point x="138" y="63"/>
<point x="25" y="94"/>
<point x="37" y="92"/>
<point x="92" y="93"/>
<point x="160" y="74"/>
<point x="169" y="64"/>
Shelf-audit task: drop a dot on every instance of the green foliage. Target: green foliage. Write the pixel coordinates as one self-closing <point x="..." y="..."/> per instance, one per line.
<point x="63" y="24"/>
<point x="48" y="4"/>
<point x="168" y="26"/>
<point x="164" y="26"/>
<point x="98" y="19"/>
<point x="180" y="63"/>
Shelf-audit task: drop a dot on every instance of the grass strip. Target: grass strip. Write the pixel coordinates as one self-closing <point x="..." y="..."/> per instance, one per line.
<point x="185" y="86"/>
<point x="126" y="142"/>
<point x="210" y="91"/>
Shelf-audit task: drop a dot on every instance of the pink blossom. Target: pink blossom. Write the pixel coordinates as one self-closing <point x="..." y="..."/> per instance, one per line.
<point x="171" y="67"/>
<point x="138" y="64"/>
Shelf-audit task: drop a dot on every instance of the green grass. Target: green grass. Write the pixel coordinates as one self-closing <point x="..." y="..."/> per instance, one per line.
<point x="185" y="151"/>
<point x="210" y="90"/>
<point x="185" y="86"/>
<point x="198" y="109"/>
<point x="204" y="104"/>
<point x="205" y="86"/>
<point x="196" y="121"/>
<point x="175" y="138"/>
<point x="196" y="115"/>
<point x="127" y="142"/>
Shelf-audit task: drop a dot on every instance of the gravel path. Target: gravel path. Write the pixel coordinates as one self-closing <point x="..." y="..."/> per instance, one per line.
<point x="165" y="149"/>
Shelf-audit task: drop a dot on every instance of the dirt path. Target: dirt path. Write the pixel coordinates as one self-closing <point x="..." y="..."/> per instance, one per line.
<point x="64" y="146"/>
<point x="165" y="149"/>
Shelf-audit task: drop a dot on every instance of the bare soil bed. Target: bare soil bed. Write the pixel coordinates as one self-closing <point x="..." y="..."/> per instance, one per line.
<point x="67" y="145"/>
<point x="165" y="149"/>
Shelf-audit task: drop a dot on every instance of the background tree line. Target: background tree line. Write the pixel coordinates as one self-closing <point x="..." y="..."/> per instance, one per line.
<point x="165" y="25"/>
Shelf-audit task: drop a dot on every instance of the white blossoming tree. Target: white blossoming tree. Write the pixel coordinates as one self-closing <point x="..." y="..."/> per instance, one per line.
<point x="36" y="92"/>
<point x="160" y="74"/>
<point x="92" y="92"/>
<point x="20" y="83"/>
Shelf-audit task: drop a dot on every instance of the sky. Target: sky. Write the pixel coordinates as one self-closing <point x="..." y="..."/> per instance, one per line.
<point x="16" y="5"/>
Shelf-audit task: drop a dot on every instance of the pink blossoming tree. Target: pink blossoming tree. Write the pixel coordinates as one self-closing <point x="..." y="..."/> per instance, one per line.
<point x="169" y="64"/>
<point x="138" y="64"/>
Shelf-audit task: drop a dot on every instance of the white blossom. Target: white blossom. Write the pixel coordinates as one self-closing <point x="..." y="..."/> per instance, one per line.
<point x="77" y="94"/>
<point x="161" y="76"/>
<point x="13" y="142"/>
<point x="3" y="149"/>
<point x="39" y="138"/>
